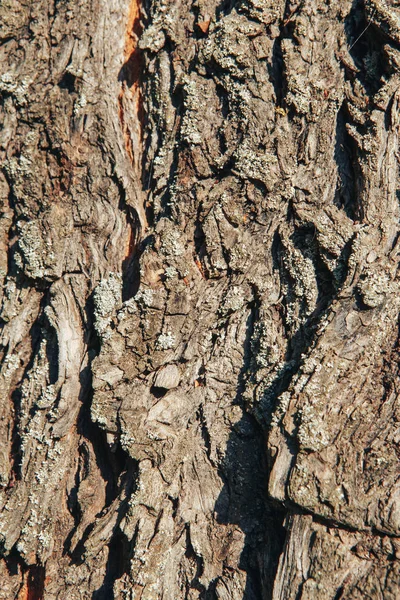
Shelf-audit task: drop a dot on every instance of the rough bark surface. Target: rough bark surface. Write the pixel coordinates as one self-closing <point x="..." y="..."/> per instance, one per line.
<point x="199" y="242"/>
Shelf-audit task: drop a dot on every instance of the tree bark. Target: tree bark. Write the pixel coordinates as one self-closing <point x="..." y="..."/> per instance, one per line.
<point x="199" y="243"/>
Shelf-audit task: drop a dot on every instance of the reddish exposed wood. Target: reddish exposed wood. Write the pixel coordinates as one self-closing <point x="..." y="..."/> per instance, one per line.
<point x="130" y="99"/>
<point x="33" y="586"/>
<point x="131" y="73"/>
<point x="130" y="244"/>
<point x="204" y="26"/>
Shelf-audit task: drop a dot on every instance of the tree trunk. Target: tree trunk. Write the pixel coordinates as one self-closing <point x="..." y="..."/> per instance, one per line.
<point x="199" y="241"/>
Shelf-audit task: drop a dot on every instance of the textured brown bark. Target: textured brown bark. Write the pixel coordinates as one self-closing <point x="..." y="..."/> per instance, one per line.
<point x="200" y="297"/>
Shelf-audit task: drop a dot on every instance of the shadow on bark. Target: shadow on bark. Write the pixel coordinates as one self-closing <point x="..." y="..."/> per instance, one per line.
<point x="244" y="505"/>
<point x="120" y="548"/>
<point x="367" y="47"/>
<point x="118" y="471"/>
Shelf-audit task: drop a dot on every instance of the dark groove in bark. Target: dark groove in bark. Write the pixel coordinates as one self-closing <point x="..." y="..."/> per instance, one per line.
<point x="346" y="156"/>
<point x="276" y="71"/>
<point x="120" y="551"/>
<point x="35" y="583"/>
<point x="16" y="397"/>
<point x="365" y="42"/>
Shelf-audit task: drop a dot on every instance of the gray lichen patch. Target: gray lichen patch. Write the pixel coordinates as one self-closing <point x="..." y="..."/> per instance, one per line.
<point x="166" y="341"/>
<point x="374" y="286"/>
<point x="144" y="297"/>
<point x="171" y="243"/>
<point x="312" y="434"/>
<point x="230" y="46"/>
<point x="107" y="299"/>
<point x="11" y="84"/>
<point x="31" y="250"/>
<point x="234" y="300"/>
<point x="170" y="272"/>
